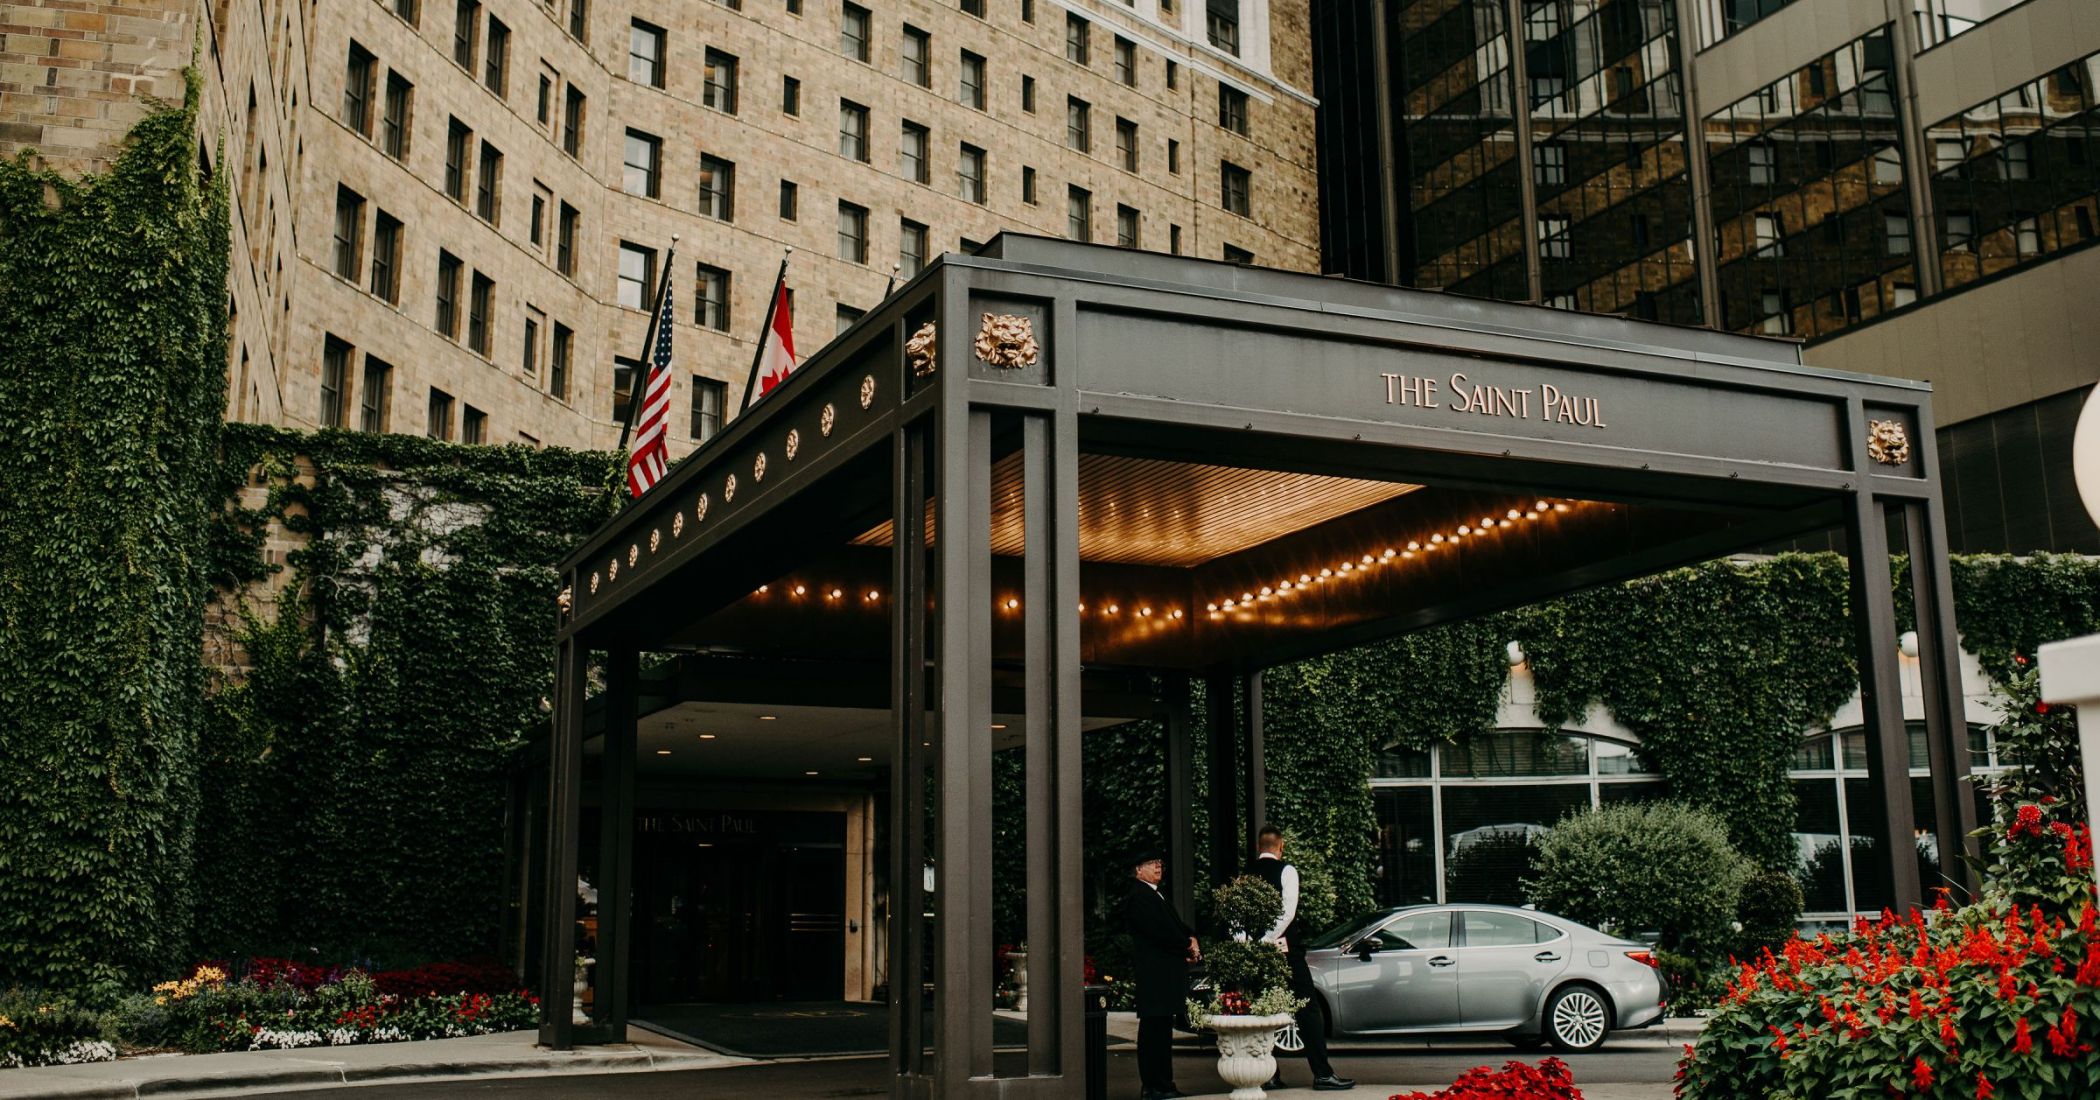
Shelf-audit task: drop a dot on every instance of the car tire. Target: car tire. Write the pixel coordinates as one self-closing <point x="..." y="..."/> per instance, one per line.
<point x="1577" y="1018"/>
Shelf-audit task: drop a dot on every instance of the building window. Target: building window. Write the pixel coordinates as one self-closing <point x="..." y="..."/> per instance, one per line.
<point x="973" y="7"/>
<point x="349" y="232"/>
<point x="2017" y="156"/>
<point x="1173" y="156"/>
<point x="1027" y="11"/>
<point x="711" y="297"/>
<point x="439" y="423"/>
<point x="458" y="141"/>
<point x="709" y="396"/>
<point x="386" y="256"/>
<point x="1897" y="229"/>
<point x="357" y="90"/>
<point x="1126" y="61"/>
<point x="644" y="172"/>
<point x="1079" y="213"/>
<point x="853" y="232"/>
<point x="916" y="48"/>
<point x="853" y="31"/>
<point x="717" y="188"/>
<point x="911" y="248"/>
<point x="558" y="363"/>
<point x="1761" y="160"/>
<point x="1232" y="109"/>
<point x="1234" y="254"/>
<point x="529" y="363"/>
<point x="971" y="93"/>
<point x="565" y="240"/>
<point x="464" y="31"/>
<point x="1549" y="164"/>
<point x="637" y="275"/>
<point x="1079" y="124"/>
<point x="1127" y="226"/>
<point x="853" y="131"/>
<point x="1028" y="185"/>
<point x="720" y="90"/>
<point x="2027" y="237"/>
<point x="572" y="123"/>
<point x="496" y="73"/>
<point x="911" y="152"/>
<point x="645" y="54"/>
<point x="1948" y="155"/>
<point x="1553" y="238"/>
<point x="377" y="396"/>
<point x="448" y="295"/>
<point x="335" y="376"/>
<point x="1127" y="144"/>
<point x="790" y="96"/>
<point x="408" y="10"/>
<point x="1770" y="236"/>
<point x="845" y="317"/>
<point x="1028" y="94"/>
<point x="1221" y="24"/>
<point x="473" y="426"/>
<point x="1233" y="185"/>
<point x="1778" y="319"/>
<point x="1075" y="38"/>
<point x="395" y="121"/>
<point x="1173" y="74"/>
<point x="625" y="371"/>
<point x="579" y="20"/>
<point x="481" y="304"/>
<point x="1961" y="230"/>
<point x="488" y="185"/>
<point x="538" y="229"/>
<point x="969" y="173"/>
<point x="790" y="198"/>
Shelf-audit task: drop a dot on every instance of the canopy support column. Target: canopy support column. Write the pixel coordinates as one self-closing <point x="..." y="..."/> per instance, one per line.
<point x="1889" y="819"/>
<point x="564" y="828"/>
<point x="1939" y="672"/>
<point x="1181" y="785"/>
<point x="616" y="840"/>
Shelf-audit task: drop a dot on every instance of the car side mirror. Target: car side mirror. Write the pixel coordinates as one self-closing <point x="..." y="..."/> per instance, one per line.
<point x="1366" y="947"/>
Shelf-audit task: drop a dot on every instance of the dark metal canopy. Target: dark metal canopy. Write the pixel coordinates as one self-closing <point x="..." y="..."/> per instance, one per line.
<point x="1156" y="463"/>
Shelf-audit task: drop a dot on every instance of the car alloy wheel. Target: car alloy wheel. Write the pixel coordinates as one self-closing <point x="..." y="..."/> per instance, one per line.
<point x="1577" y="1019"/>
<point x="1290" y="1040"/>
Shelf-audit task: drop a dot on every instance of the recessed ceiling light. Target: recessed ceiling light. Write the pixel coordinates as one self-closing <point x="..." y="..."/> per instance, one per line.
<point x="663" y="752"/>
<point x="707" y="737"/>
<point x="998" y="725"/>
<point x="809" y="773"/>
<point x="767" y="717"/>
<point x="865" y="759"/>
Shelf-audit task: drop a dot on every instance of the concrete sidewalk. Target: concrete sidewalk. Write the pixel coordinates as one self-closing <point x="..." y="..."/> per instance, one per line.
<point x="512" y="1053"/>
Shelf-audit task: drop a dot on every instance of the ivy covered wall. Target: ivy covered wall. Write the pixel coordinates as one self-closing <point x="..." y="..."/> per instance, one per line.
<point x="355" y="780"/>
<point x="112" y="387"/>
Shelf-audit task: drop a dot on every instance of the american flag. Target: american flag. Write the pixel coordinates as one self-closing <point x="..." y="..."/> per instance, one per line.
<point x="648" y="459"/>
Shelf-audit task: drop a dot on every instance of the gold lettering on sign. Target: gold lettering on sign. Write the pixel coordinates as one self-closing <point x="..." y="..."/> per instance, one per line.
<point x="1546" y="402"/>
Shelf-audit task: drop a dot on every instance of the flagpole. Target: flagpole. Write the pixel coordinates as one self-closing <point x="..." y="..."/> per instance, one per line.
<point x="765" y="330"/>
<point x="890" y="287"/>
<point x="641" y="377"/>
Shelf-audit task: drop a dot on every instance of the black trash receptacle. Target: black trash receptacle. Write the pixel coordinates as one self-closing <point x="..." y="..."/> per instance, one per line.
<point x="1097" y="1042"/>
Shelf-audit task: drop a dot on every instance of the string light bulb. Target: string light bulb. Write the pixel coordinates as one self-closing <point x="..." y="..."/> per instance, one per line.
<point x="799" y="590"/>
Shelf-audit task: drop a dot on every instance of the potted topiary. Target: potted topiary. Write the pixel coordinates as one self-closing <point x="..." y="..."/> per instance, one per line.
<point x="1250" y="982"/>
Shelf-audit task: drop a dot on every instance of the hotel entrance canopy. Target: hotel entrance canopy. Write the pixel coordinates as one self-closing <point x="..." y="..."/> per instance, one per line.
<point x="1049" y="457"/>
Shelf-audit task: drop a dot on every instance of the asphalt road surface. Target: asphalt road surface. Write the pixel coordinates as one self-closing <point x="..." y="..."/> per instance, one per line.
<point x="1195" y="1071"/>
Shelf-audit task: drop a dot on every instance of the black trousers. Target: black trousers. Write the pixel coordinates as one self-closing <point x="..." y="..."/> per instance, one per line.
<point x="1310" y="1026"/>
<point x="1156" y="1053"/>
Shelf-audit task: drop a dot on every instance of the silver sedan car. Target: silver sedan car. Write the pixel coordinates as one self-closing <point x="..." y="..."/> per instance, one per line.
<point x="1528" y="976"/>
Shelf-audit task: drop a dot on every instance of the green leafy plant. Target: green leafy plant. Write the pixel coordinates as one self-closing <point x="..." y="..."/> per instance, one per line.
<point x="1767" y="906"/>
<point x="1247" y="905"/>
<point x="42" y="1029"/>
<point x="1644" y="866"/>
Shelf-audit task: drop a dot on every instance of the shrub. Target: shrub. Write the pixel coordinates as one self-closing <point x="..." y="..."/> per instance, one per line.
<point x="469" y="976"/>
<point x="1247" y="904"/>
<point x="1653" y="866"/>
<point x="1251" y="968"/>
<point x="1316" y="891"/>
<point x="1767" y="907"/>
<point x="39" y="1029"/>
<point x="1549" y="1080"/>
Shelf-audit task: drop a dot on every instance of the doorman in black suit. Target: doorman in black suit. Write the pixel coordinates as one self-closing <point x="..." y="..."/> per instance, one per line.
<point x="1162" y="947"/>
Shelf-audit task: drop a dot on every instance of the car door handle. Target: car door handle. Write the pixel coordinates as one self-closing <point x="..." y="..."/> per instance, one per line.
<point x="1441" y="960"/>
<point x="1546" y="957"/>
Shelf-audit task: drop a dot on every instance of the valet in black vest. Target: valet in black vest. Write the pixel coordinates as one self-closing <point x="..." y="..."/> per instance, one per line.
<point x="1269" y="865"/>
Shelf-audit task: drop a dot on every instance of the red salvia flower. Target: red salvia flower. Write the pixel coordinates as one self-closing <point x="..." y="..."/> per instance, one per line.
<point x="2023" y="1040"/>
<point x="1983" y="1086"/>
<point x="1921" y="1074"/>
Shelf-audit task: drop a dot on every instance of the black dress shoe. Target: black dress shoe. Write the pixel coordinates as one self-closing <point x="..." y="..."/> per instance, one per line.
<point x="1276" y="1082"/>
<point x="1331" y="1083"/>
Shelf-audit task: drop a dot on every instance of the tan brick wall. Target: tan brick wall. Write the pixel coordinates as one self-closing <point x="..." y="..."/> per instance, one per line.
<point x="285" y="213"/>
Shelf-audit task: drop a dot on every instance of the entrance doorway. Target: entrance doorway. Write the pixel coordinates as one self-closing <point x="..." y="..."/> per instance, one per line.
<point x="739" y="906"/>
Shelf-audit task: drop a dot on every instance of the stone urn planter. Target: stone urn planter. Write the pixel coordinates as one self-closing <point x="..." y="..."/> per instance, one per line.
<point x="1246" y="1051"/>
<point x="1019" y="956"/>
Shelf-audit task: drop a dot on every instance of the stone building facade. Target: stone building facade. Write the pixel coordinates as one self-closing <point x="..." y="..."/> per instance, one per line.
<point x="435" y="200"/>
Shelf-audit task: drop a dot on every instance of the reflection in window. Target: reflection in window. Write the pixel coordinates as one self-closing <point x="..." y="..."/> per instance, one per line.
<point x="2019" y="175"/>
<point x="1517" y="753"/>
<point x="1808" y="184"/>
<point x="1491" y="832"/>
<point x="1608" y="159"/>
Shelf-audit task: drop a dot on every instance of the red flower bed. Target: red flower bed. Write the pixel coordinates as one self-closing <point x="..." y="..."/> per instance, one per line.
<point x="481" y="976"/>
<point x="1549" y="1080"/>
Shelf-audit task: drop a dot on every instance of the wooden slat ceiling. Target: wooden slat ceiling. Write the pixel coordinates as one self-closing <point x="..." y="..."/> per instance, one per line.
<point x="1143" y="511"/>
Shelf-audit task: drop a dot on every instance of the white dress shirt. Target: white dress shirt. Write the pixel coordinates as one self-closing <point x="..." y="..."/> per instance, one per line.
<point x="1290" y="900"/>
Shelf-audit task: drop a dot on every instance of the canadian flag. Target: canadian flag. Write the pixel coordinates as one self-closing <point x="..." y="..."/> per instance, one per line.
<point x="777" y="357"/>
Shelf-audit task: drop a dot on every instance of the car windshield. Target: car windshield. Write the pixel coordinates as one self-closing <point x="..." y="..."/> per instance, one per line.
<point x="1351" y="930"/>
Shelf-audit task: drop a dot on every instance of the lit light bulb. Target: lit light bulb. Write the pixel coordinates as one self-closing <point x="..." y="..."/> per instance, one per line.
<point x="1012" y="603"/>
<point x="1144" y="612"/>
<point x="1304" y="578"/>
<point x="1367" y="559"/>
<point x="1436" y="538"/>
<point x="1413" y="545"/>
<point x="1387" y="553"/>
<point x="1539" y="506"/>
<point x="1347" y="566"/>
<point x="1284" y="587"/>
<point x="1560" y="507"/>
<point x="1531" y="515"/>
<point x="1464" y="529"/>
<point x="1325" y="573"/>
<point x="801" y="589"/>
<point x="1487" y="521"/>
<point x="1407" y="553"/>
<point x="1212" y="607"/>
<point x="1267" y="591"/>
<point x="1175" y="614"/>
<point x="1246" y="597"/>
<point x="1112" y="609"/>
<point x="762" y="589"/>
<point x="1229" y="605"/>
<point x="836" y="593"/>
<point x="1513" y="513"/>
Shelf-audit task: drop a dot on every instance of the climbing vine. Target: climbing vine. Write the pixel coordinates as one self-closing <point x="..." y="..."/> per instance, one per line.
<point x="112" y="387"/>
<point x="356" y="774"/>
